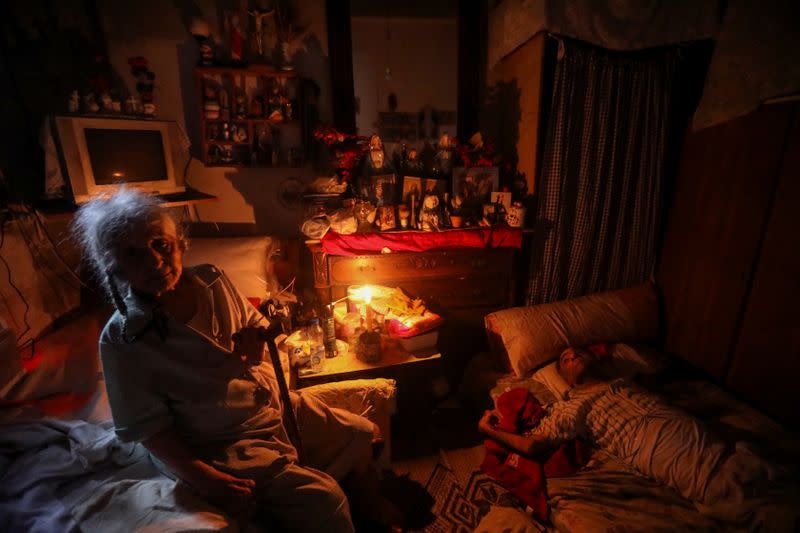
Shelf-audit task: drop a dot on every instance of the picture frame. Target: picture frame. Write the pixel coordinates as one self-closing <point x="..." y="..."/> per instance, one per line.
<point x="437" y="187"/>
<point x="503" y="198"/>
<point x="475" y="184"/>
<point x="379" y="188"/>
<point x="412" y="186"/>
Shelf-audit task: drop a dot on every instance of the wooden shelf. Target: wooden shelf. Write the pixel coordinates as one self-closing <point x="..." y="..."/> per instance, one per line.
<point x="250" y="121"/>
<point x="251" y="70"/>
<point x="235" y="81"/>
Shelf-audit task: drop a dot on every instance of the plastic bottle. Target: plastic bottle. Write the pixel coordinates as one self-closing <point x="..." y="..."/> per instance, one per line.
<point x="330" y="334"/>
<point x="316" y="339"/>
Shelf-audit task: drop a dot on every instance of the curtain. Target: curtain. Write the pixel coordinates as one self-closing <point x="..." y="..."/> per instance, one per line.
<point x="600" y="194"/>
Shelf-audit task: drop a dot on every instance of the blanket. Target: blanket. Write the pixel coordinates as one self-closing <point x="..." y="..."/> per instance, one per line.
<point x="72" y="476"/>
<point x="526" y="477"/>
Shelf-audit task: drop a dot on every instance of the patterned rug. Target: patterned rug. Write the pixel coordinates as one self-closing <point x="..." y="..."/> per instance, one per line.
<point x="458" y="509"/>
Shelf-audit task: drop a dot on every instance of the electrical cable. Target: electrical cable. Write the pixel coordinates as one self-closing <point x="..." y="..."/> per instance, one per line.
<point x="55" y="251"/>
<point x="38" y="256"/>
<point x="11" y="282"/>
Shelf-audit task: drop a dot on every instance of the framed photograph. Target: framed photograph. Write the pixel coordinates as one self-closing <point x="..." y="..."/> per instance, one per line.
<point x="379" y="189"/>
<point x="503" y="198"/>
<point x="475" y="184"/>
<point x="438" y="187"/>
<point x="412" y="186"/>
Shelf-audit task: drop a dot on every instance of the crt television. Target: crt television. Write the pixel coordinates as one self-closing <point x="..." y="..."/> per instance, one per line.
<point x="98" y="154"/>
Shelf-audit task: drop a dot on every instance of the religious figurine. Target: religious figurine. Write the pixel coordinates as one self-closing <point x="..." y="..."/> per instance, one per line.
<point x="443" y="155"/>
<point x="256" y="106"/>
<point x="275" y="105"/>
<point x="414" y="163"/>
<point x="240" y="134"/>
<point x="259" y="23"/>
<point x="456" y="218"/>
<point x="235" y="28"/>
<point x="74" y="103"/>
<point x="429" y="214"/>
<point x="201" y="31"/>
<point x="375" y="156"/>
<point x="105" y="102"/>
<point x="404" y="213"/>
<point x="241" y="106"/>
<point x="90" y="103"/>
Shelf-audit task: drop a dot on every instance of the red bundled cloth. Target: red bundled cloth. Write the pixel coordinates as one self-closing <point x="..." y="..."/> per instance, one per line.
<point x="526" y="477"/>
<point x="420" y="241"/>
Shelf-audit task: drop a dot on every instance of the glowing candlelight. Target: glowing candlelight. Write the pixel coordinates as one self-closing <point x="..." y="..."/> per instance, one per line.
<point x="367" y="293"/>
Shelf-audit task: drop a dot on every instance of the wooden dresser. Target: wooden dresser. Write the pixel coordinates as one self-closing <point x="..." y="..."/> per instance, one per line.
<point x="462" y="285"/>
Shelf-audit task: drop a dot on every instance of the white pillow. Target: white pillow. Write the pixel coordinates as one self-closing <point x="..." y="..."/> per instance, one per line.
<point x="243" y="259"/>
<point x="626" y="362"/>
<point x="549" y="377"/>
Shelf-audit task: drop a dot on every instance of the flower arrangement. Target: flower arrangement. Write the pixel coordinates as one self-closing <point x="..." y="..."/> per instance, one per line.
<point x="476" y="153"/>
<point x="144" y="82"/>
<point x="348" y="150"/>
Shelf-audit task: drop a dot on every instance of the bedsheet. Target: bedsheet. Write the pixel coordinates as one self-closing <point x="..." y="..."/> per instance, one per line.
<point x="607" y="495"/>
<point x="76" y="476"/>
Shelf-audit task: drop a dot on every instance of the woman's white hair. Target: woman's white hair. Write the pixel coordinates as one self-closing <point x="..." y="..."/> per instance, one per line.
<point x="103" y="223"/>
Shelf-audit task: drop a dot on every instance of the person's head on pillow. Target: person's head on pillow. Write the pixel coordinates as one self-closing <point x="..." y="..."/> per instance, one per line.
<point x="579" y="365"/>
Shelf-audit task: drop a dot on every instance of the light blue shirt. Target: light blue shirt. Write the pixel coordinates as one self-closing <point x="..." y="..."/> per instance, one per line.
<point x="190" y="381"/>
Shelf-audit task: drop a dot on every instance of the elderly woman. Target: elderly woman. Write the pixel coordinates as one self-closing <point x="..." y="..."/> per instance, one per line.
<point x="182" y="357"/>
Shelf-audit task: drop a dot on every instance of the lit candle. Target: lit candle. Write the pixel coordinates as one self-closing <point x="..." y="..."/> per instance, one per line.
<point x="367" y="304"/>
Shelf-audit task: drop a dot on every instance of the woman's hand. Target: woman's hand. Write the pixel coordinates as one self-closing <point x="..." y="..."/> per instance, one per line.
<point x="248" y="344"/>
<point x="488" y="421"/>
<point x="232" y="494"/>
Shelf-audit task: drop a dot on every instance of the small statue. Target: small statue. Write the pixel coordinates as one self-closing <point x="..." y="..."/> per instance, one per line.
<point x="105" y="102"/>
<point x="241" y="106"/>
<point x="74" y="103"/>
<point x="257" y="107"/>
<point x="376" y="156"/>
<point x="201" y="31"/>
<point x="275" y="105"/>
<point x="404" y="213"/>
<point x="259" y="41"/>
<point x="414" y="163"/>
<point x="429" y="215"/>
<point x="443" y="155"/>
<point x="90" y="103"/>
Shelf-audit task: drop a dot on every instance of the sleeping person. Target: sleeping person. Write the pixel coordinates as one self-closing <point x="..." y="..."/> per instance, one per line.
<point x="638" y="427"/>
<point x="182" y="357"/>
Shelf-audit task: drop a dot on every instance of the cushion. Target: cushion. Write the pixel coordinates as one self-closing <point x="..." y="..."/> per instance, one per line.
<point x="243" y="259"/>
<point x="524" y="338"/>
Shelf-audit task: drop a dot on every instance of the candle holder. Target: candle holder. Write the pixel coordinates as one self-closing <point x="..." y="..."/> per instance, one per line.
<point x="368" y="347"/>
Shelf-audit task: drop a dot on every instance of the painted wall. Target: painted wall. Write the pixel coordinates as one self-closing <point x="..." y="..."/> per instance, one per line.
<point x="422" y="54"/>
<point x="158" y="31"/>
<point x="512" y="115"/>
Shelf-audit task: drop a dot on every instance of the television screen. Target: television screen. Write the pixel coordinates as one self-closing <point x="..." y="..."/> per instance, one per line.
<point x="129" y="156"/>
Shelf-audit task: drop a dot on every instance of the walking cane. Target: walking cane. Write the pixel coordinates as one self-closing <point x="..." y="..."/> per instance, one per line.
<point x="290" y="421"/>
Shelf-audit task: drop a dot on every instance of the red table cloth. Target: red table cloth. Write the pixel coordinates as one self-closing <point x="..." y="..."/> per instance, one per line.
<point x="420" y="241"/>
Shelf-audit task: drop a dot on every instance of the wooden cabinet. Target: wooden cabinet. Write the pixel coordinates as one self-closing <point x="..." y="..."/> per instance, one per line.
<point x="463" y="285"/>
<point x="251" y="116"/>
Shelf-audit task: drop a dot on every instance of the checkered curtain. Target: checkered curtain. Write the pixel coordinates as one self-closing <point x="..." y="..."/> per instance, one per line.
<point x="602" y="172"/>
